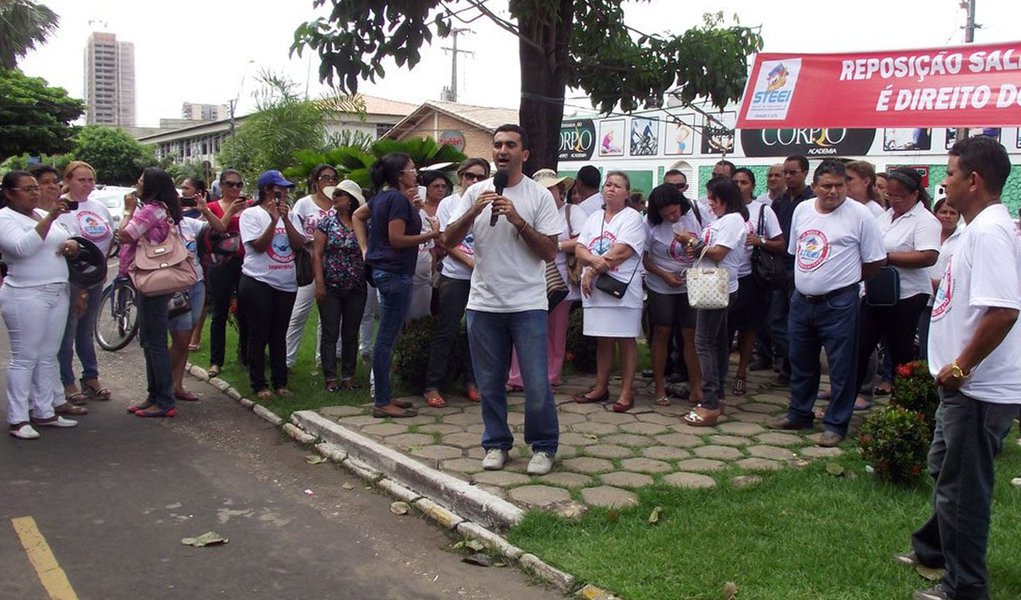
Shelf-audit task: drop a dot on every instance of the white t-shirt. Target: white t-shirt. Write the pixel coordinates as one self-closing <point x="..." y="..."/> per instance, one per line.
<point x="704" y="212"/>
<point x="91" y="221"/>
<point x="984" y="272"/>
<point x="626" y="227"/>
<point x="729" y="231"/>
<point x="592" y="204"/>
<point x="452" y="267"/>
<point x="275" y="266"/>
<point x="829" y="248"/>
<point x="916" y="230"/>
<point x="668" y="254"/>
<point x="424" y="262"/>
<point x="190" y="228"/>
<point x="770" y="230"/>
<point x="509" y="276"/>
<point x="309" y="214"/>
<point x="946" y="250"/>
<point x="31" y="260"/>
<point x="765" y="199"/>
<point x="875" y="208"/>
<point x="577" y="223"/>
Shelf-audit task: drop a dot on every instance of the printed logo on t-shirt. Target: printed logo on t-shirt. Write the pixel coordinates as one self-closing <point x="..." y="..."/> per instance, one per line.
<point x="312" y="221"/>
<point x="280" y="248"/>
<point x="941" y="302"/>
<point x="93" y="227"/>
<point x="468" y="245"/>
<point x="679" y="252"/>
<point x="813" y="249"/>
<point x="602" y="244"/>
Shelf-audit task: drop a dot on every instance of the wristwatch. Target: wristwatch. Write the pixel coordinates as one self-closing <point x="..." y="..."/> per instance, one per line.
<point x="957" y="372"/>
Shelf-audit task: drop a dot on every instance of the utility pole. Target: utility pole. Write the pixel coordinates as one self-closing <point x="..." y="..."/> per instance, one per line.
<point x="450" y="93"/>
<point x="969" y="37"/>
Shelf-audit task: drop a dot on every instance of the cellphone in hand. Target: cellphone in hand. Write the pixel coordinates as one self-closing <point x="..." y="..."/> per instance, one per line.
<point x="72" y="205"/>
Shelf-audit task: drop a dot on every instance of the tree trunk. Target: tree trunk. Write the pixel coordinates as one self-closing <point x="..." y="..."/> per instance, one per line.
<point x="544" y="83"/>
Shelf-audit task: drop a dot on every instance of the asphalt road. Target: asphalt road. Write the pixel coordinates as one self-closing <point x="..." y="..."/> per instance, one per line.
<point x="113" y="497"/>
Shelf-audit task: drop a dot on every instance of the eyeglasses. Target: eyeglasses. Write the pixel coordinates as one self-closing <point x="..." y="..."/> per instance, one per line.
<point x="791" y="171"/>
<point x="680" y="186"/>
<point x="233" y="184"/>
<point x="473" y="176"/>
<point x="411" y="170"/>
<point x="327" y="178"/>
<point x="27" y="188"/>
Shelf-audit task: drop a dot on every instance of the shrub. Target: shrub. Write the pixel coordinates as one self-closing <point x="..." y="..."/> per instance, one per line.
<point x="581" y="349"/>
<point x="895" y="441"/>
<point x="915" y="389"/>
<point x="411" y="354"/>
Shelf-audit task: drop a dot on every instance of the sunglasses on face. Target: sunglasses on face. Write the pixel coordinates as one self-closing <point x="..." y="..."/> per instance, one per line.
<point x="327" y="178"/>
<point x="473" y="176"/>
<point x="233" y="184"/>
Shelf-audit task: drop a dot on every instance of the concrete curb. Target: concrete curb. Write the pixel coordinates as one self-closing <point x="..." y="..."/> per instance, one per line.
<point x="440" y="497"/>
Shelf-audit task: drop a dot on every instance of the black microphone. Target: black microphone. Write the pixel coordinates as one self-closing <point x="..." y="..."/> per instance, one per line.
<point x="500" y="181"/>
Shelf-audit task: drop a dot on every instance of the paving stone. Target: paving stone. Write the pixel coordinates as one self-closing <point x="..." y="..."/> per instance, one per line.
<point x="564" y="451"/>
<point x="781" y="401"/>
<point x="760" y="407"/>
<point x="689" y="480"/>
<point x="700" y="464"/>
<point x="359" y="421"/>
<point x="609" y="497"/>
<point x="463" y="419"/>
<point x="771" y="452"/>
<point x="476" y="452"/>
<point x="565" y="478"/>
<point x="780" y="439"/>
<point x="655" y="417"/>
<point x="386" y="429"/>
<point x="540" y="496"/>
<point x="340" y="411"/>
<point x="820" y="452"/>
<point x="665" y="453"/>
<point x="515" y="418"/>
<point x="643" y="428"/>
<point x="435" y="452"/>
<point x="595" y="428"/>
<point x="626" y="479"/>
<point x="729" y="440"/>
<point x="500" y="478"/>
<point x="441" y="428"/>
<point x="409" y="440"/>
<point x="570" y="418"/>
<point x="577" y="439"/>
<point x="462" y="440"/>
<point x="679" y="440"/>
<point x="752" y="418"/>
<point x="582" y="409"/>
<point x="586" y="464"/>
<point x="736" y="428"/>
<point x="462" y="465"/>
<point x="608" y="451"/>
<point x="628" y="439"/>
<point x="612" y="418"/>
<point x="494" y="489"/>
<point x="759" y="464"/>
<point x="645" y="465"/>
<point x="717" y="452"/>
<point x="477" y="429"/>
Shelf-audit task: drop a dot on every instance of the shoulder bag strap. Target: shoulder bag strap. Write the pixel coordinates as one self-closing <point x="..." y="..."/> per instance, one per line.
<point x="570" y="232"/>
<point x="762" y="217"/>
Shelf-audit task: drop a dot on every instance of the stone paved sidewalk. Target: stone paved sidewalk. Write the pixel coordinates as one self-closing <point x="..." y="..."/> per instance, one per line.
<point x="603" y="456"/>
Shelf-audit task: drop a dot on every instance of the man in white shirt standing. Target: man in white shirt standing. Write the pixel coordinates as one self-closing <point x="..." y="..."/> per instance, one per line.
<point x="975" y="355"/>
<point x="775" y="184"/>
<point x="515" y="233"/>
<point x="588" y="189"/>
<point x="835" y="245"/>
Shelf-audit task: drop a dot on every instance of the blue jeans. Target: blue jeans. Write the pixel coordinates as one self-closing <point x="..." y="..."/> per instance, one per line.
<point x="831" y="324"/>
<point x="779" y="309"/>
<point x="712" y="344"/>
<point x="491" y="337"/>
<point x="394" y="299"/>
<point x="79" y="334"/>
<point x="152" y="332"/>
<point x="969" y="434"/>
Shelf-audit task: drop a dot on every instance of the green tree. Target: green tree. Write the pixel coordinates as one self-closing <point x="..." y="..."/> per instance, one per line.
<point x="23" y="24"/>
<point x="117" y="157"/>
<point x="34" y="117"/>
<point x="561" y="43"/>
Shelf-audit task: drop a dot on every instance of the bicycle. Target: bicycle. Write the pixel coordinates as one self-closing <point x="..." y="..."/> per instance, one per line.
<point x="117" y="319"/>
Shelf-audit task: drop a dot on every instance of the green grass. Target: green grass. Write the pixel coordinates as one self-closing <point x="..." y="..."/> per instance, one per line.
<point x="797" y="535"/>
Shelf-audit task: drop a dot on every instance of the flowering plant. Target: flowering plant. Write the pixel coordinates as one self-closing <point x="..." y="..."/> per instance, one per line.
<point x="895" y="441"/>
<point x="915" y="389"/>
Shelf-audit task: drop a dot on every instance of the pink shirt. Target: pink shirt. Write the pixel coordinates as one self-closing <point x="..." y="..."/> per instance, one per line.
<point x="150" y="220"/>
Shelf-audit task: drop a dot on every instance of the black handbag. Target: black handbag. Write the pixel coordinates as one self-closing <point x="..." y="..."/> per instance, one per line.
<point x="612" y="285"/>
<point x="768" y="270"/>
<point x="556" y="287"/>
<point x="303" y="266"/>
<point x="883" y="288"/>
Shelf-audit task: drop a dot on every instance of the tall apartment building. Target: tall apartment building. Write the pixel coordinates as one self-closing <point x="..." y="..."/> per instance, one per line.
<point x="109" y="81"/>
<point x="204" y="112"/>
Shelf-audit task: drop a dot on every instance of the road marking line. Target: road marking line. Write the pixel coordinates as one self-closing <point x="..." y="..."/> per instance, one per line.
<point x="50" y="574"/>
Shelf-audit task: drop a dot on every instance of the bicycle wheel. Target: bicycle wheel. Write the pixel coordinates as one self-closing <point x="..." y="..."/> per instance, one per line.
<point x="116" y="321"/>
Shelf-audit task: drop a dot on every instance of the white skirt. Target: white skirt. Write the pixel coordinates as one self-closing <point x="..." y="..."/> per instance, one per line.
<point x="612" y="321"/>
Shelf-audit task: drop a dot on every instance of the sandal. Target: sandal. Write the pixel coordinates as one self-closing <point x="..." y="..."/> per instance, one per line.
<point x="70" y="409"/>
<point x="883" y="389"/>
<point x="159" y="413"/>
<point x="264" y="395"/>
<point x="100" y="393"/>
<point x="194" y="347"/>
<point x="861" y="404"/>
<point x="186" y="396"/>
<point x="284" y="392"/>
<point x="740" y="386"/>
<point x="513" y="389"/>
<point x="214" y="371"/>
<point x="77" y="398"/>
<point x="473" y="394"/>
<point x="702" y="417"/>
<point x="620" y="407"/>
<point x="434" y="399"/>
<point x="662" y="401"/>
<point x="133" y="408"/>
<point x="396" y="413"/>
<point x="332" y="385"/>
<point x="586" y="399"/>
<point x="349" y="384"/>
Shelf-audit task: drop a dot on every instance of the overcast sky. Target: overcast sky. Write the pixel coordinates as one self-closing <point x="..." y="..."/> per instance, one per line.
<point x="200" y="50"/>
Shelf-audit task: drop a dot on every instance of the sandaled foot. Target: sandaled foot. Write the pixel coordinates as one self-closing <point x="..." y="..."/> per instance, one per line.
<point x="883" y="389"/>
<point x="93" y="388"/>
<point x="264" y="395"/>
<point x="70" y="409"/>
<point x="622" y="407"/>
<point x="472" y="393"/>
<point x="76" y="398"/>
<point x="702" y="417"/>
<point x="155" y="412"/>
<point x="588" y="399"/>
<point x="861" y="404"/>
<point x="348" y="384"/>
<point x="434" y="399"/>
<point x="662" y="401"/>
<point x="284" y="392"/>
<point x="513" y="389"/>
<point x="332" y="385"/>
<point x="740" y="386"/>
<point x="393" y="411"/>
<point x="194" y="347"/>
<point x="133" y="408"/>
<point x="186" y="395"/>
<point x="214" y="371"/>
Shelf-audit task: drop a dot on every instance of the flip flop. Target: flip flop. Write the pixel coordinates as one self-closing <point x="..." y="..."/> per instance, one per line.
<point x="585" y="399"/>
<point x="332" y="385"/>
<point x="620" y="407"/>
<point x="194" y="347"/>
<point x="662" y="401"/>
<point x="168" y="413"/>
<point x="434" y="399"/>
<point x="186" y="396"/>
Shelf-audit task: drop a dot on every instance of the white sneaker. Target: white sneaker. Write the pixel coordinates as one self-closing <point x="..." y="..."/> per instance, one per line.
<point x="541" y="463"/>
<point x="494" y="459"/>
<point x="25" y="432"/>
<point x="55" y="421"/>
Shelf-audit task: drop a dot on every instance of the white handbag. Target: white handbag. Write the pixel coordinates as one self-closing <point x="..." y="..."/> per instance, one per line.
<point x="707" y="288"/>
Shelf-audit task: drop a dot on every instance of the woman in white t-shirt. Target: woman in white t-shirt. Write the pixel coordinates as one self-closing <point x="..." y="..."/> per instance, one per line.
<point x="611" y="245"/>
<point x="861" y="186"/>
<point x="951" y="228"/>
<point x="270" y="232"/>
<point x="911" y="237"/>
<point x="747" y="312"/>
<point x="309" y="210"/>
<point x="666" y="262"/>
<point x="436" y="188"/>
<point x="721" y="245"/>
<point x="91" y="220"/>
<point x="572" y="222"/>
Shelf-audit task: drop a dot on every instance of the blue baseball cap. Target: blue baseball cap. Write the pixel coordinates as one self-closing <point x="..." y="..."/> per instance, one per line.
<point x="273" y="177"/>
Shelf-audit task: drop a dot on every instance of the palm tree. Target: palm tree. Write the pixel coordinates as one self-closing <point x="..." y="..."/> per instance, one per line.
<point x="23" y="24"/>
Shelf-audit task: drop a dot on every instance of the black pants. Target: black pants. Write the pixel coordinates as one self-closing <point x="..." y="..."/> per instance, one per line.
<point x="340" y="315"/>
<point x="898" y="322"/>
<point x="453" y="298"/>
<point x="270" y="309"/>
<point x="223" y="283"/>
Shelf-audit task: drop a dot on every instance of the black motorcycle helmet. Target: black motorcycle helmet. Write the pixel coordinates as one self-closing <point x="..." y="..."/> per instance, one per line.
<point x="89" y="267"/>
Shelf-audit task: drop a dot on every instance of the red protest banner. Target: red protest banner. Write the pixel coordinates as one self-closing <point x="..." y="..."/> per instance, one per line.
<point x="964" y="86"/>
